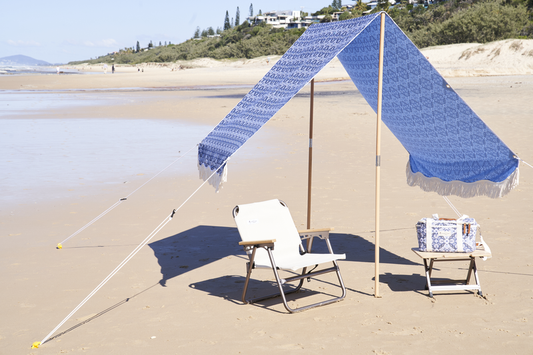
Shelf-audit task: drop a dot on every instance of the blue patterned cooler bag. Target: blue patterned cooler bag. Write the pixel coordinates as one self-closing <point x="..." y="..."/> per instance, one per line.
<point x="447" y="235"/>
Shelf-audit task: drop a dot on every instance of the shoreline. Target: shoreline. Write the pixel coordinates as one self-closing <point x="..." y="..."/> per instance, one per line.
<point x="500" y="58"/>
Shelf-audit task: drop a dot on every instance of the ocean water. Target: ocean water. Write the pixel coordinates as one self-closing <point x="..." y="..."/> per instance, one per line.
<point x="32" y="70"/>
<point x="17" y="102"/>
<point x="44" y="158"/>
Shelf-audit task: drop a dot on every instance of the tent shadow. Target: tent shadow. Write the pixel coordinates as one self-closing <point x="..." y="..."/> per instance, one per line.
<point x="204" y="244"/>
<point x="194" y="248"/>
<point x="403" y="283"/>
<point x="359" y="249"/>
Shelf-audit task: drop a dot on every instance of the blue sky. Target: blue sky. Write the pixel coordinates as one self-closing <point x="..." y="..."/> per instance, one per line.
<point x="63" y="31"/>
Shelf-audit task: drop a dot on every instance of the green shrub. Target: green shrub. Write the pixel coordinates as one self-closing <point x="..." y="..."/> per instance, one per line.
<point x="454" y="22"/>
<point x="449" y="22"/>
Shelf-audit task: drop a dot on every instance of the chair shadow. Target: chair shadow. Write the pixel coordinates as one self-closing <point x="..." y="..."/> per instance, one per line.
<point x="230" y="288"/>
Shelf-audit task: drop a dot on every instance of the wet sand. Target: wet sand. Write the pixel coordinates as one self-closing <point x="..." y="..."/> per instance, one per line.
<point x="181" y="293"/>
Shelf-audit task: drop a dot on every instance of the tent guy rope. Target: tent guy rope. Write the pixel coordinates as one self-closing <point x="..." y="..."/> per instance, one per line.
<point x="452" y="206"/>
<point x="128" y="258"/>
<point x="531" y="166"/>
<point x="60" y="245"/>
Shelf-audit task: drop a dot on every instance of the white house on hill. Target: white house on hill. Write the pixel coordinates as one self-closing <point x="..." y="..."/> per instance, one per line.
<point x="285" y="19"/>
<point x="278" y="19"/>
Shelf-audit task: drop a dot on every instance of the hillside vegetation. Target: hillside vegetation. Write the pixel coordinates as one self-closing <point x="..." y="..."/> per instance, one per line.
<point x="449" y="22"/>
<point x="470" y="21"/>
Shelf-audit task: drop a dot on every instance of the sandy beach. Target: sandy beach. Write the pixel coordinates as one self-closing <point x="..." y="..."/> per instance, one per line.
<point x="181" y="293"/>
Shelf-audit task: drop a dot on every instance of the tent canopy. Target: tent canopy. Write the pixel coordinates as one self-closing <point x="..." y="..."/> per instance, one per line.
<point x="452" y="151"/>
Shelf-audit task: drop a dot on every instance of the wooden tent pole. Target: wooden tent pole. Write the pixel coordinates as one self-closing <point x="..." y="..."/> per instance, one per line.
<point x="378" y="150"/>
<point x="310" y="171"/>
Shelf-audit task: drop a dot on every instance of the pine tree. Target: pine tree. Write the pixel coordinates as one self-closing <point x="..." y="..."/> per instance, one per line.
<point x="197" y="32"/>
<point x="383" y="5"/>
<point x="252" y="10"/>
<point x="237" y="17"/>
<point x="227" y="24"/>
<point x="138" y="47"/>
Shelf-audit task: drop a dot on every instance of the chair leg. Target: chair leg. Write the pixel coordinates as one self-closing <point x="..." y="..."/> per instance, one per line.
<point x="341" y="282"/>
<point x="248" y="274"/>
<point x="278" y="281"/>
<point x="281" y="281"/>
<point x="283" y="293"/>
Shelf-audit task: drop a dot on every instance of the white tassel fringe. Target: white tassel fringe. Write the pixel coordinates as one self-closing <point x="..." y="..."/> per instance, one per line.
<point x="463" y="189"/>
<point x="216" y="180"/>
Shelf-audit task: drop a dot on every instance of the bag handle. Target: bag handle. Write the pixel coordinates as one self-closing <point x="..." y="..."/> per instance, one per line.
<point x="466" y="226"/>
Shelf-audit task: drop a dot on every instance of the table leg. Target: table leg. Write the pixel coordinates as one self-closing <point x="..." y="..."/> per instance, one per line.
<point x="476" y="277"/>
<point x="428" y="275"/>
<point x="470" y="268"/>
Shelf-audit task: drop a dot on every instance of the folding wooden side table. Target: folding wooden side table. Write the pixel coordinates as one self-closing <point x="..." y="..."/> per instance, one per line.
<point x="431" y="257"/>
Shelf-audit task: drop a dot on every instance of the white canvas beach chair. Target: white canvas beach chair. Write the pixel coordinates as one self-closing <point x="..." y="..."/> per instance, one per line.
<point x="272" y="241"/>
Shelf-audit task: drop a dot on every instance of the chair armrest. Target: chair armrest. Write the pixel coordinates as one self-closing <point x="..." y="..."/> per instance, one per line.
<point x="257" y="242"/>
<point x="322" y="233"/>
<point x="310" y="234"/>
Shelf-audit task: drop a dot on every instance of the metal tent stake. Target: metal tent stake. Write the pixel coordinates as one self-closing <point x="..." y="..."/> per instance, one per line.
<point x="378" y="150"/>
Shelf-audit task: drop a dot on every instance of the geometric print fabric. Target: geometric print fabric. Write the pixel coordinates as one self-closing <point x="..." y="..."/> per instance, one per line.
<point x="444" y="137"/>
<point x="451" y="149"/>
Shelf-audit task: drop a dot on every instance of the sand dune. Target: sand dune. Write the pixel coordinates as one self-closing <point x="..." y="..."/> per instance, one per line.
<point x="508" y="57"/>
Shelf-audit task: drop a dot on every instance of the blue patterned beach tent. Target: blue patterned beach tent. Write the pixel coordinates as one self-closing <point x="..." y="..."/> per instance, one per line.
<point x="452" y="151"/>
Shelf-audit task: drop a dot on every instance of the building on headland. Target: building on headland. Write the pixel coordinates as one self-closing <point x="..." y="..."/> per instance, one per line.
<point x="374" y="3"/>
<point x="278" y="19"/>
<point x="284" y="19"/>
<point x="290" y="19"/>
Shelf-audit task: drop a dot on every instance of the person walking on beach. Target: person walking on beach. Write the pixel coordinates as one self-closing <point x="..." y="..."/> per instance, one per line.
<point x="105" y="68"/>
<point x="113" y="69"/>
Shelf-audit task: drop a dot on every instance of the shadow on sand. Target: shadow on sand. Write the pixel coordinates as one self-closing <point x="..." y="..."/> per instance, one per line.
<point x="202" y="245"/>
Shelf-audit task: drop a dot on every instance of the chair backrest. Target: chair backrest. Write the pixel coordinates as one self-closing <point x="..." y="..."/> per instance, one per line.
<point x="269" y="220"/>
